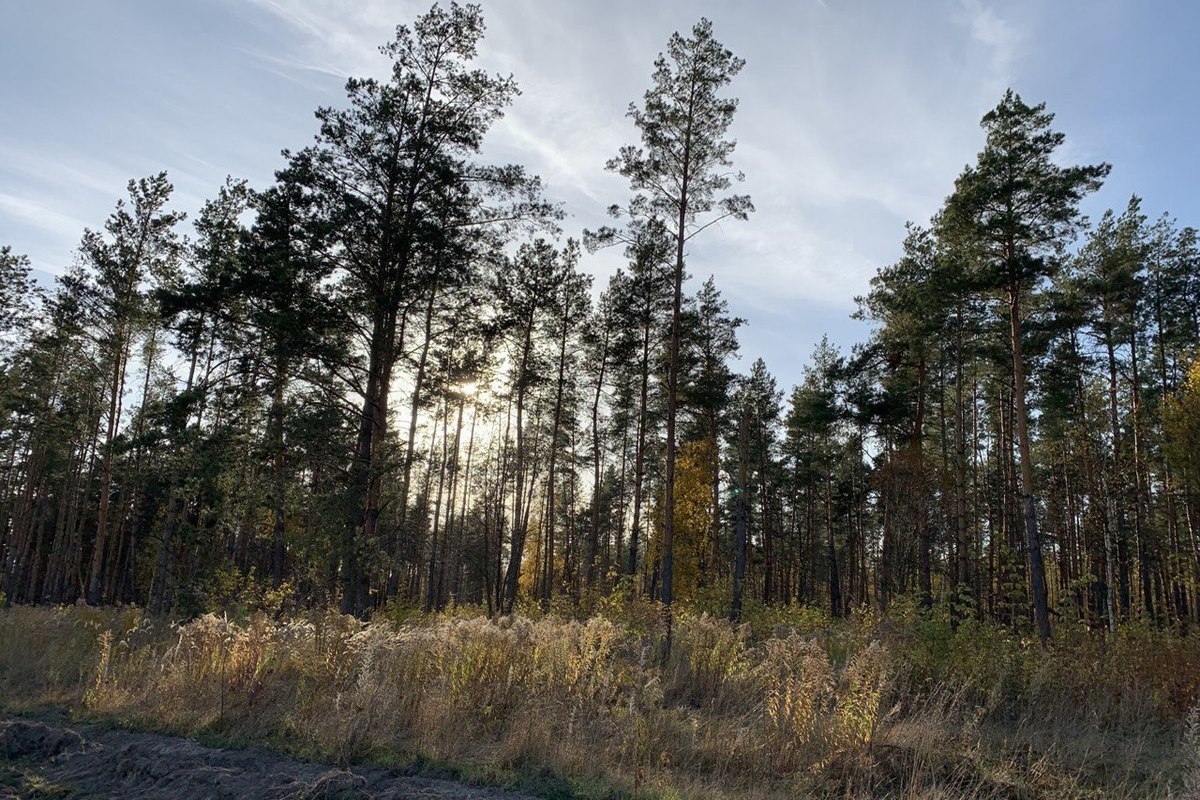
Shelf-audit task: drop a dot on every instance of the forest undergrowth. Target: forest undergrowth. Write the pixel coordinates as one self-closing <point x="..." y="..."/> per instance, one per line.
<point x="789" y="703"/>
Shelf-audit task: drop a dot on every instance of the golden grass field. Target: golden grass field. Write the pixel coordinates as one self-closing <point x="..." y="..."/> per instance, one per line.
<point x="788" y="705"/>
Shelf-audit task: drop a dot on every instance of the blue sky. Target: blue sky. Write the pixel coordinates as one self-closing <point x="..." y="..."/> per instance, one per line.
<point x="854" y="116"/>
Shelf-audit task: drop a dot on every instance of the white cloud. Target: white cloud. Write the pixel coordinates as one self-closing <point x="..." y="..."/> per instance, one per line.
<point x="993" y="32"/>
<point x="339" y="38"/>
<point x="64" y="173"/>
<point x="39" y="215"/>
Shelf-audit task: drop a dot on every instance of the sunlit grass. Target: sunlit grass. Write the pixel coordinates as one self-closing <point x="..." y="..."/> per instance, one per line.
<point x="902" y="706"/>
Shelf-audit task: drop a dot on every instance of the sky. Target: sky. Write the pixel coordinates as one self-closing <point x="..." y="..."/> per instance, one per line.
<point x="854" y="117"/>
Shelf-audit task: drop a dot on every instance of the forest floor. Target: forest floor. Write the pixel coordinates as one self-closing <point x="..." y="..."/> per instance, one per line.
<point x="47" y="758"/>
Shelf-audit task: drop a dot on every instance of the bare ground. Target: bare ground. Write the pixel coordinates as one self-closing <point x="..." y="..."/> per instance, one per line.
<point x="49" y="759"/>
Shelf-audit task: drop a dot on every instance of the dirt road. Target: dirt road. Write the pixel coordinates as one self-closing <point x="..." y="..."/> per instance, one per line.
<point x="51" y="759"/>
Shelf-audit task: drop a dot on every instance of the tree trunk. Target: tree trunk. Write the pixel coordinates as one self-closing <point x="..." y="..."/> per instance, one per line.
<point x="517" y="546"/>
<point x="639" y="457"/>
<point x="594" y="533"/>
<point x="117" y="383"/>
<point x="1037" y="569"/>
<point x="741" y="522"/>
<point x="548" y="586"/>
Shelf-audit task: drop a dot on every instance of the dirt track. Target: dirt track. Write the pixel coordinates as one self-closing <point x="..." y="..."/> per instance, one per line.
<point x="48" y="759"/>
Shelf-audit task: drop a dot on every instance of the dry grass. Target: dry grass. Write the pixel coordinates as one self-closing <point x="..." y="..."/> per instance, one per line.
<point x="896" y="708"/>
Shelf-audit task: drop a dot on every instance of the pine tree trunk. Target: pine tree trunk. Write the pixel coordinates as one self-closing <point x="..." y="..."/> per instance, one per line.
<point x="1037" y="569"/>
<point x="741" y="523"/>
<point x="639" y="457"/>
<point x="594" y="532"/>
<point x="517" y="547"/>
<point x="117" y="387"/>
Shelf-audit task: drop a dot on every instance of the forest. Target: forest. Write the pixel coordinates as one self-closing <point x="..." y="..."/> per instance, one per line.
<point x="387" y="388"/>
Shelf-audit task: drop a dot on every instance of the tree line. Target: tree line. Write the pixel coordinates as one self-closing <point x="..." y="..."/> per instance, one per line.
<point x="386" y="380"/>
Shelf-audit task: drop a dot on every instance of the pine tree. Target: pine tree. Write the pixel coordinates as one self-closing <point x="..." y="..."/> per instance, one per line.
<point x="679" y="175"/>
<point x="395" y="176"/>
<point x="1021" y="208"/>
<point x="141" y="243"/>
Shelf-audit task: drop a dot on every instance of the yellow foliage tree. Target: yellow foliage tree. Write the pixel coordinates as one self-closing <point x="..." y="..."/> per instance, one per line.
<point x="1181" y="422"/>
<point x="693" y="518"/>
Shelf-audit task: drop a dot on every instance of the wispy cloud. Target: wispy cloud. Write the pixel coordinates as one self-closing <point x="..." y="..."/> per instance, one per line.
<point x="999" y="36"/>
<point x="339" y="38"/>
<point x="39" y="215"/>
<point x="61" y="172"/>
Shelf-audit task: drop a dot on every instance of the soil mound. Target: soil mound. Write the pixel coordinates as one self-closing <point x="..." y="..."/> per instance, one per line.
<point x="100" y="762"/>
<point x="27" y="739"/>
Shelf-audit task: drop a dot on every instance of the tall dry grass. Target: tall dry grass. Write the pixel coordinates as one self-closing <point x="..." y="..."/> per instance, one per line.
<point x="902" y="707"/>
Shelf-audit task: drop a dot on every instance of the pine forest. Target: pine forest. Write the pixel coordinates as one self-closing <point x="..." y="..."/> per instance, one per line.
<point x="376" y="455"/>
